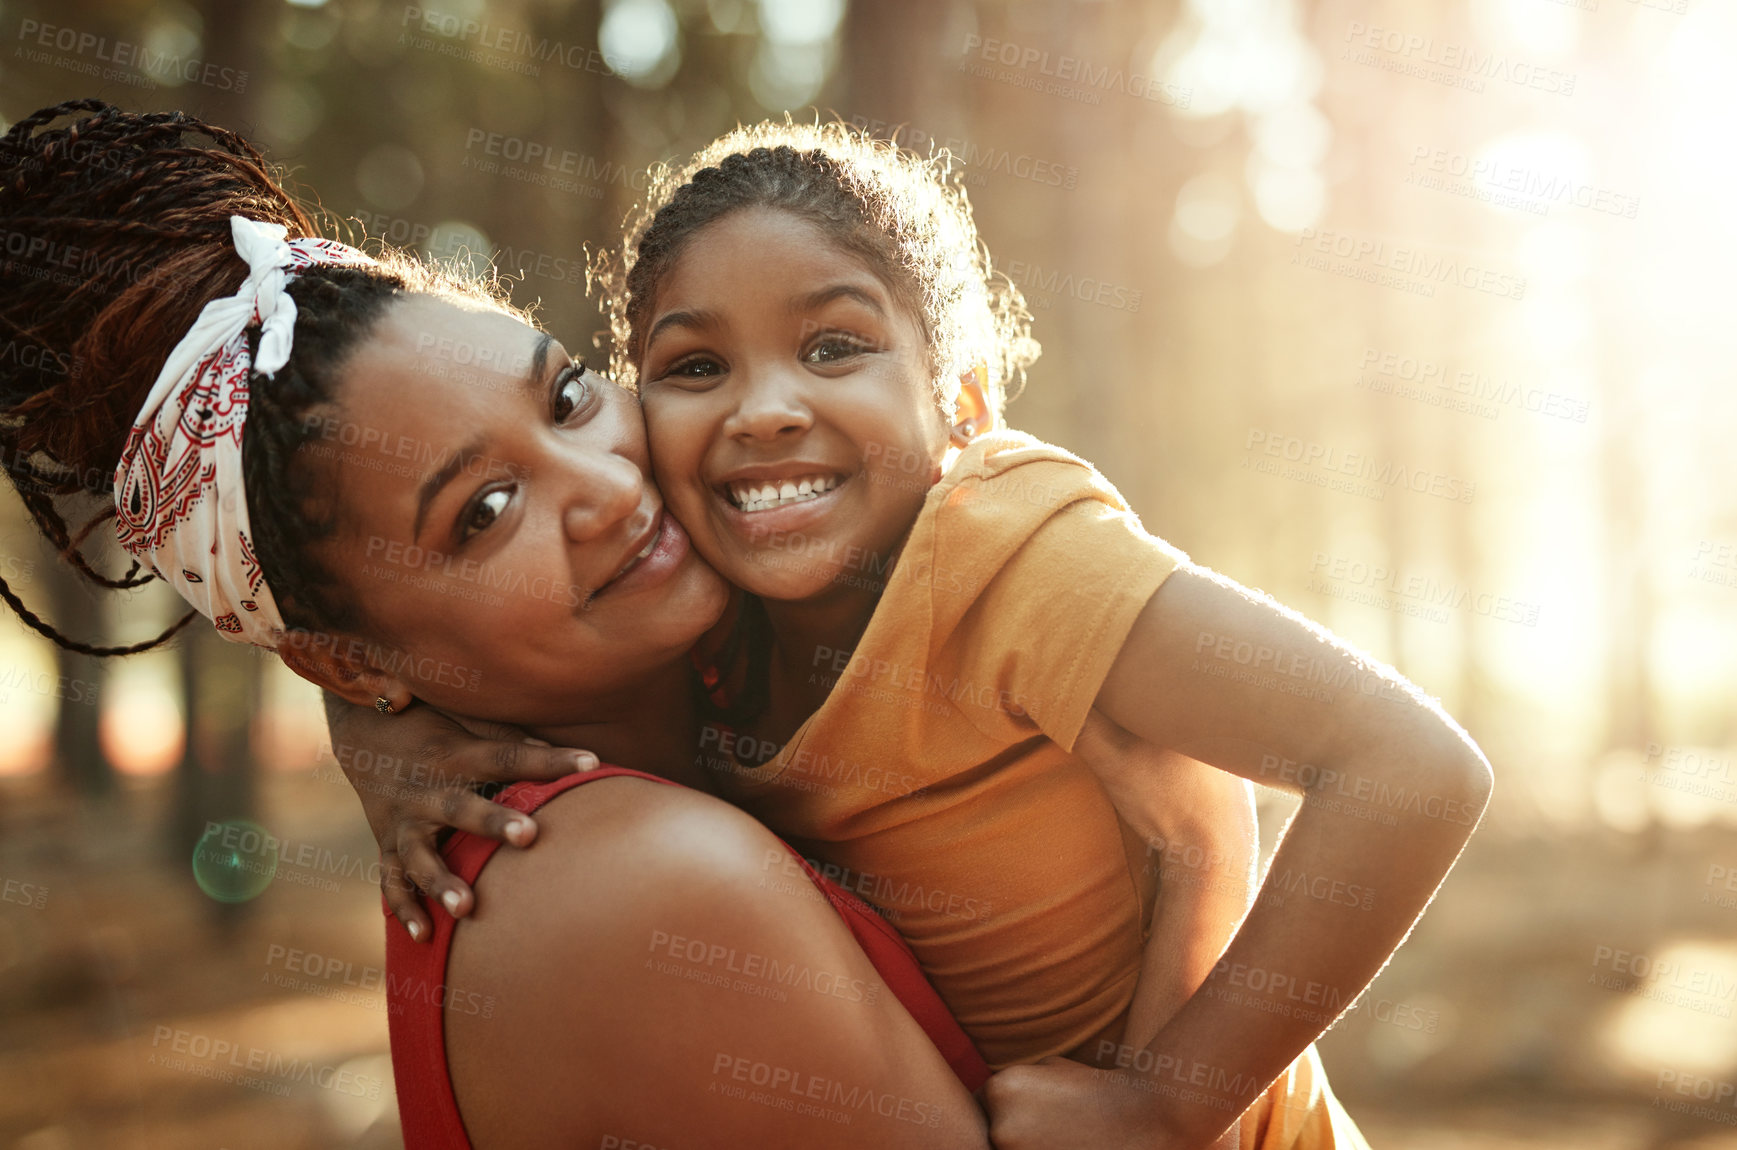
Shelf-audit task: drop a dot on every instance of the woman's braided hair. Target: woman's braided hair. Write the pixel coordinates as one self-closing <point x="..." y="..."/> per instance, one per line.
<point x="907" y="217"/>
<point x="114" y="234"/>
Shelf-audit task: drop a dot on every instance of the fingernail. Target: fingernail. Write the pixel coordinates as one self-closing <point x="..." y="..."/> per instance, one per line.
<point x="518" y="831"/>
<point x="450" y="898"/>
<point x="415" y="929"/>
<point x="584" y="761"/>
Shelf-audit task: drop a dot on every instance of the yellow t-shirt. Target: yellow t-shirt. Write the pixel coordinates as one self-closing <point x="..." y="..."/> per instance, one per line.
<point x="937" y="781"/>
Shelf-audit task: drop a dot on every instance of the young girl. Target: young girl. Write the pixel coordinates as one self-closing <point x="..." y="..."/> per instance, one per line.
<point x="822" y="354"/>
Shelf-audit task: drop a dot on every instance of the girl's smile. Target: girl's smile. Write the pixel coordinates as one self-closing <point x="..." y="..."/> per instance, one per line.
<point x="783" y="385"/>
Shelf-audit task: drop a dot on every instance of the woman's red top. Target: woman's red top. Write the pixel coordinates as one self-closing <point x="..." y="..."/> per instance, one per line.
<point x="416" y="975"/>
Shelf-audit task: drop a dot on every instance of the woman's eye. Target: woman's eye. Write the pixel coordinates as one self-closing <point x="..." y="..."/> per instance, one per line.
<point x="483" y="512"/>
<point x="834" y="349"/>
<point x="572" y="390"/>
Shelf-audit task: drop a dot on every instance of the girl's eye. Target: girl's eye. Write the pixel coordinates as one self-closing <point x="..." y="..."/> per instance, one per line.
<point x="834" y="348"/>
<point x="482" y="513"/>
<point x="693" y="369"/>
<point x="572" y="392"/>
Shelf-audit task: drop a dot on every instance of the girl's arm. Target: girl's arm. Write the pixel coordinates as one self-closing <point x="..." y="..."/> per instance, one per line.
<point x="660" y="979"/>
<point x="413" y="773"/>
<point x="1392" y="788"/>
<point x="1201" y="838"/>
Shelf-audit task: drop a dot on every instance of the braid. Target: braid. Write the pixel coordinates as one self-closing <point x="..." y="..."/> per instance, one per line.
<point x="906" y="217"/>
<point x="114" y="235"/>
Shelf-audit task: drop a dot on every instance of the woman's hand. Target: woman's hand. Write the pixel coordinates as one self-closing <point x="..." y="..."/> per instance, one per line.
<point x="414" y="773"/>
<point x="1057" y="1104"/>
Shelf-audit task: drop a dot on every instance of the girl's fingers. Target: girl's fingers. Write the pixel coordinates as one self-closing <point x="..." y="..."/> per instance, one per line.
<point x="427" y="870"/>
<point x="512" y="761"/>
<point x="401" y="898"/>
<point x="470" y="812"/>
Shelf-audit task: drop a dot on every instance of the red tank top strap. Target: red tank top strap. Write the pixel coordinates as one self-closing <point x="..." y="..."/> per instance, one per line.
<point x="416" y="981"/>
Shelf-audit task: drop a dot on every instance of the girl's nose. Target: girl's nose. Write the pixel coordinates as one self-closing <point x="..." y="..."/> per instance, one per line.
<point x="768" y="405"/>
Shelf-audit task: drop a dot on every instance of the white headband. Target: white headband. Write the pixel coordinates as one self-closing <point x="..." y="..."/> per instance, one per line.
<point x="179" y="498"/>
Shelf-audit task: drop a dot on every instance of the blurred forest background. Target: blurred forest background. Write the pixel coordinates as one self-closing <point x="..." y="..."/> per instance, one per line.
<point x="1417" y="316"/>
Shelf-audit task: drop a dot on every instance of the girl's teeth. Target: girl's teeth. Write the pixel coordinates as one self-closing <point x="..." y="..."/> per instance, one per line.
<point x="762" y="497"/>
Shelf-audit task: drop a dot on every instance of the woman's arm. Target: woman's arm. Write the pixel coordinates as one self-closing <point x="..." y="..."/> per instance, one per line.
<point x="661" y="979"/>
<point x="1392" y="788"/>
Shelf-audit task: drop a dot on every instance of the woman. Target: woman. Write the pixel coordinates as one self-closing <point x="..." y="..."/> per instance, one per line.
<point x="197" y="361"/>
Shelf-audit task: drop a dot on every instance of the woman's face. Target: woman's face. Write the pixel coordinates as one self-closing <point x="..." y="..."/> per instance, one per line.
<point x="497" y="531"/>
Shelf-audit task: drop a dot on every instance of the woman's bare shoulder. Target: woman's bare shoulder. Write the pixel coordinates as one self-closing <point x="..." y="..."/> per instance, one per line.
<point x="634" y="952"/>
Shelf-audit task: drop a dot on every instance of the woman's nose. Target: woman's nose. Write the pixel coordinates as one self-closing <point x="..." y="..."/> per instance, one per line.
<point x="769" y="404"/>
<point x="606" y="490"/>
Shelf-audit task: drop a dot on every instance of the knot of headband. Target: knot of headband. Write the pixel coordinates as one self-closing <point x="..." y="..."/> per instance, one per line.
<point x="179" y="500"/>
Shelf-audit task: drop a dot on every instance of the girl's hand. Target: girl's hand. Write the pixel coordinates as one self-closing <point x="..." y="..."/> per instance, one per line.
<point x="414" y="773"/>
<point x="1057" y="1104"/>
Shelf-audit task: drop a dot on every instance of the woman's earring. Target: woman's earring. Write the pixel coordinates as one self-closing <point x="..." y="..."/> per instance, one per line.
<point x="384" y="705"/>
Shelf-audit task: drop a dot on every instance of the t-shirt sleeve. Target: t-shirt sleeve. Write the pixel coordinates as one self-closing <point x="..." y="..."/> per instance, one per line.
<point x="1051" y="622"/>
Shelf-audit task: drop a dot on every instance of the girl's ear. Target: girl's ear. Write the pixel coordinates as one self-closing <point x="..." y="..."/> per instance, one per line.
<point x="339" y="663"/>
<point x="974" y="415"/>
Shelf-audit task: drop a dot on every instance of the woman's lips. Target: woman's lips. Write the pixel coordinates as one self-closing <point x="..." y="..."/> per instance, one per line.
<point x="667" y="552"/>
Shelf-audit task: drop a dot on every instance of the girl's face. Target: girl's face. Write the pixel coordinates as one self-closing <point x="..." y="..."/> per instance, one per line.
<point x="787" y="394"/>
<point x="496" y="526"/>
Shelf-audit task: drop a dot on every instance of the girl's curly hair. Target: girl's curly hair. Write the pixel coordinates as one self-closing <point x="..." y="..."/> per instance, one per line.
<point x="907" y="216"/>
